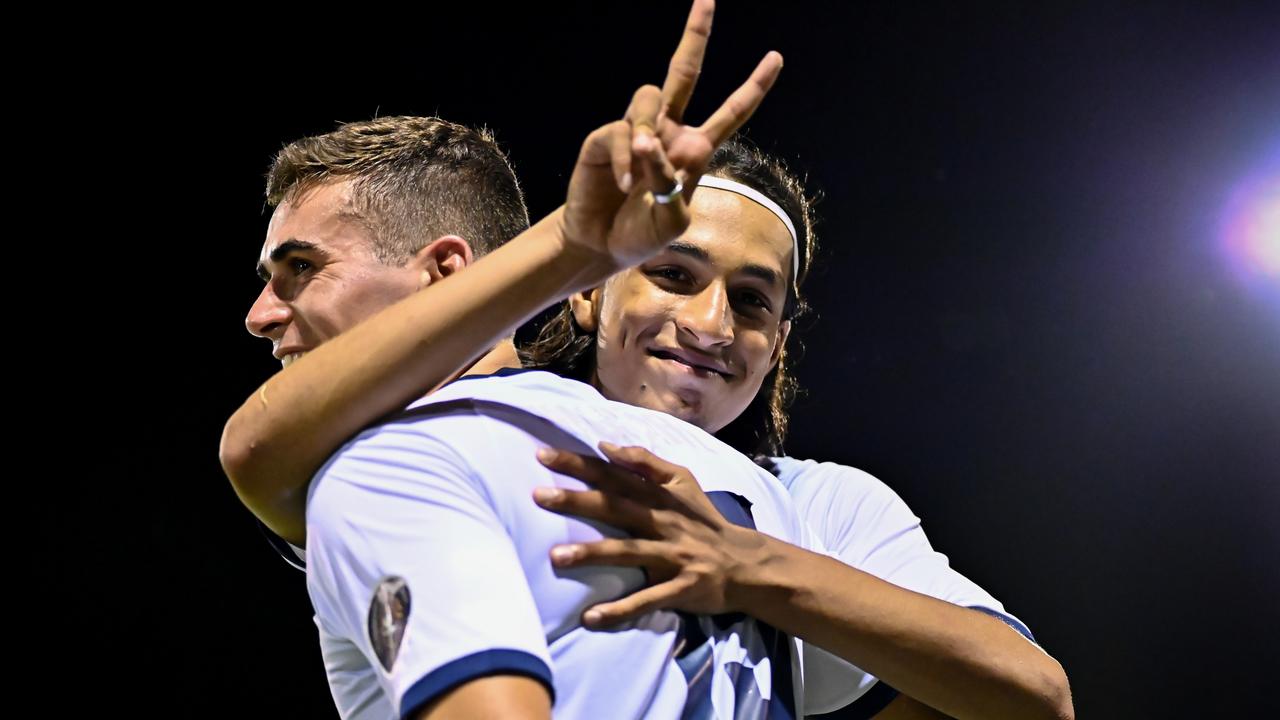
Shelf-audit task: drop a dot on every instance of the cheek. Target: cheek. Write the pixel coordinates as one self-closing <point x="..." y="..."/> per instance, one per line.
<point x="626" y="324"/>
<point x="372" y="291"/>
<point x="628" y="316"/>
<point x="756" y="354"/>
<point x="737" y="396"/>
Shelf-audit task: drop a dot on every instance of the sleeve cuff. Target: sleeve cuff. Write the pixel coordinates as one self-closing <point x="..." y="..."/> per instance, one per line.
<point x="292" y="554"/>
<point x="1007" y="620"/>
<point x="471" y="667"/>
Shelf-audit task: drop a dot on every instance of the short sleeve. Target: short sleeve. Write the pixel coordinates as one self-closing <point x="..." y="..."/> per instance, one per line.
<point x="408" y="561"/>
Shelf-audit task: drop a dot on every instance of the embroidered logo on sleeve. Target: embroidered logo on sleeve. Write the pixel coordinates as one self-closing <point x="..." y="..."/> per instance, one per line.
<point x="388" y="616"/>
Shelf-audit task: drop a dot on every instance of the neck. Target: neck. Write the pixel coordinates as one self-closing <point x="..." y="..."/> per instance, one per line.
<point x="502" y="355"/>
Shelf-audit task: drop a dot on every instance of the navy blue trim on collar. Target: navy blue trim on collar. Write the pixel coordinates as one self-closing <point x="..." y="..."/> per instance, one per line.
<point x="472" y="667"/>
<point x="509" y="371"/>
<point x="500" y="372"/>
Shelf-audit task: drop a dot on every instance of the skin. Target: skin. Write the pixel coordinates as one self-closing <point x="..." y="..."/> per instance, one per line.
<point x="958" y="661"/>
<point x="281" y="435"/>
<point x="694" y="331"/>
<point x="609" y="221"/>
<point x="321" y="276"/>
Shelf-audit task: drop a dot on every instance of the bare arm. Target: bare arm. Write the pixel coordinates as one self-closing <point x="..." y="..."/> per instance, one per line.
<point x="285" y="430"/>
<point x="282" y="434"/>
<point x="963" y="662"/>
<point x="907" y="708"/>
<point x="956" y="660"/>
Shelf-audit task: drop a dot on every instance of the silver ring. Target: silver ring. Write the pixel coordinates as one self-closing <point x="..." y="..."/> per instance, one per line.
<point x="664" y="198"/>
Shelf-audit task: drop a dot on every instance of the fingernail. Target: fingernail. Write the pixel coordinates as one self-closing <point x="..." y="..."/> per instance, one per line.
<point x="608" y="446"/>
<point x="625" y="184"/>
<point x="563" y="553"/>
<point x="592" y="617"/>
<point x="546" y="455"/>
<point x="547" y="494"/>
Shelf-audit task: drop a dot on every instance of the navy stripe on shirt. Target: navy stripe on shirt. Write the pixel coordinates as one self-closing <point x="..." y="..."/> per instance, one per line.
<point x="472" y="667"/>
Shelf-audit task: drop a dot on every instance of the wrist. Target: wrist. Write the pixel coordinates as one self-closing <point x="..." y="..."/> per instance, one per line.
<point x="753" y="576"/>
<point x="589" y="264"/>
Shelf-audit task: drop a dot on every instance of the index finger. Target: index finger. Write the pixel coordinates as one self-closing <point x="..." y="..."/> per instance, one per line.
<point x="605" y="476"/>
<point x="739" y="107"/>
<point x="686" y="63"/>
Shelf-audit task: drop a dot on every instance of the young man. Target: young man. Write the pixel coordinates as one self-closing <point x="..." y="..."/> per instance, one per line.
<point x="426" y="560"/>
<point x="380" y="350"/>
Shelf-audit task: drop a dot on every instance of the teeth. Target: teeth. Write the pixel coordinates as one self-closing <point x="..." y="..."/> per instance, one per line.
<point x="699" y="368"/>
<point x="289" y="359"/>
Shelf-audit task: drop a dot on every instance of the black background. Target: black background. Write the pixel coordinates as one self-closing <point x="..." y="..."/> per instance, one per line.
<point x="1027" y="323"/>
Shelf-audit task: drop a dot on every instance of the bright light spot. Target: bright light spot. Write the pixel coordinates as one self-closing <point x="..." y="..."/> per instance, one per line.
<point x="1251" y="231"/>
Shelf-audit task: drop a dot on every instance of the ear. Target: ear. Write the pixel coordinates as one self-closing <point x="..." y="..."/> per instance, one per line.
<point x="779" y="344"/>
<point x="441" y="258"/>
<point x="585" y="307"/>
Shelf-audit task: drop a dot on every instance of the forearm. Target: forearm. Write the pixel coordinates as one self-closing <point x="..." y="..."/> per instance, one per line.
<point x="282" y="434"/>
<point x="960" y="661"/>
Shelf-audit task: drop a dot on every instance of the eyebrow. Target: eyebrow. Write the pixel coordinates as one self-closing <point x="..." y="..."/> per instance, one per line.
<point x="282" y="251"/>
<point x="757" y="271"/>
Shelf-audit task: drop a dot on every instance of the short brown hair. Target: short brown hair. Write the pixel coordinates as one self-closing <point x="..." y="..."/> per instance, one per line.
<point x="414" y="179"/>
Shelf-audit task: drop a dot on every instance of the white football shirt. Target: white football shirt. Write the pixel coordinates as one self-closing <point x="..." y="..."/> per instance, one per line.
<point x="427" y="563"/>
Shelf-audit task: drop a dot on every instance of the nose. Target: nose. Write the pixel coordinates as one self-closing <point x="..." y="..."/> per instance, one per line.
<point x="269" y="315"/>
<point x="707" y="316"/>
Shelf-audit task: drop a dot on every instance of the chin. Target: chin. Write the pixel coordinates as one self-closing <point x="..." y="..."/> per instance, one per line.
<point x="689" y="415"/>
<point x="673" y="405"/>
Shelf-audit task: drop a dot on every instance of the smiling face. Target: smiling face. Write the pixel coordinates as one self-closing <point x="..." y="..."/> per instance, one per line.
<point x="321" y="274"/>
<point x="695" y="331"/>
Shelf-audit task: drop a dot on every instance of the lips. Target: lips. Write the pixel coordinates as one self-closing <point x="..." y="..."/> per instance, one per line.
<point x="699" y="366"/>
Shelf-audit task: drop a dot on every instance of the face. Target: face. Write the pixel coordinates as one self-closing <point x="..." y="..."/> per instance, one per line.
<point x="695" y="331"/>
<point x="321" y="274"/>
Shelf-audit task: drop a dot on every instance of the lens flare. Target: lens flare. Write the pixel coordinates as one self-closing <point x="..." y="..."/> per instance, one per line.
<point x="1251" y="228"/>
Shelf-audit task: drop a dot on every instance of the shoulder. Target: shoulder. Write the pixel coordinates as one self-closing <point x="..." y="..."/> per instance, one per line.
<point x="832" y="484"/>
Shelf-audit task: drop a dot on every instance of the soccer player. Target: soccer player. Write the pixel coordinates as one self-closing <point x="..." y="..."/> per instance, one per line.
<point x="937" y="675"/>
<point x="426" y="559"/>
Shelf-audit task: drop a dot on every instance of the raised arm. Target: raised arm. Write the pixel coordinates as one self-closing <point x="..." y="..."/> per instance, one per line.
<point x="282" y="433"/>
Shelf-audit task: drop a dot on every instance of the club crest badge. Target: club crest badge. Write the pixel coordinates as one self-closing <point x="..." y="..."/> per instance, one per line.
<point x="388" y="617"/>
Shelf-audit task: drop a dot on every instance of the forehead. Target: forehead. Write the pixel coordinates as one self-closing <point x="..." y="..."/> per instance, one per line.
<point x="735" y="230"/>
<point x="322" y="216"/>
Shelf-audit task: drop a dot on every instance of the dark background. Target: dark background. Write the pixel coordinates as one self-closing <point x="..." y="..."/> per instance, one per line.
<point x="1028" y="323"/>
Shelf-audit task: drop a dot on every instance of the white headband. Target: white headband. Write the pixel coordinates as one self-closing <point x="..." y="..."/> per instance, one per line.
<point x="760" y="199"/>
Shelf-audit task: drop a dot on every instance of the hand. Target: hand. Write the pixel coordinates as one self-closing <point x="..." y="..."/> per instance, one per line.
<point x="610" y="208"/>
<point x="691" y="553"/>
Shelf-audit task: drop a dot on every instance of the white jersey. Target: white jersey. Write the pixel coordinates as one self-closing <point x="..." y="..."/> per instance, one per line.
<point x="864" y="523"/>
<point x="427" y="563"/>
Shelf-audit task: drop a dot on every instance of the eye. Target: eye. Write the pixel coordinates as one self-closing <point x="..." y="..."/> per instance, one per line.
<point x="753" y="299"/>
<point x="670" y="273"/>
<point x="299" y="265"/>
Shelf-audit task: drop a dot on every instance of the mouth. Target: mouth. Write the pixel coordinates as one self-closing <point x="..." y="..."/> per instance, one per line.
<point x="700" y="368"/>
<point x="289" y="358"/>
